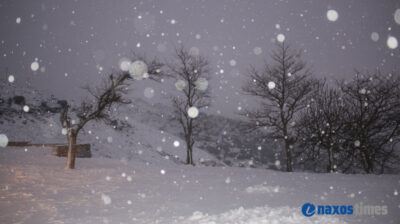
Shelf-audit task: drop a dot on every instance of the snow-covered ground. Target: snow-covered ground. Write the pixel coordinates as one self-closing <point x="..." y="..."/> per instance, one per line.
<point x="35" y="188"/>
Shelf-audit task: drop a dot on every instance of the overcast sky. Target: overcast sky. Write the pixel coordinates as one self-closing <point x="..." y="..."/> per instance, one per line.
<point x="74" y="42"/>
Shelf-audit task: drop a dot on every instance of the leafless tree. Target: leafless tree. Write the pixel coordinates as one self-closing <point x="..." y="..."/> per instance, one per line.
<point x="320" y="127"/>
<point x="283" y="87"/>
<point x="110" y="93"/>
<point x="355" y="126"/>
<point x="191" y="72"/>
<point x="373" y="121"/>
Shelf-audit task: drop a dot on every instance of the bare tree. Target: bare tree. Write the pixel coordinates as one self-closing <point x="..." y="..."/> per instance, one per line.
<point x="283" y="87"/>
<point x="373" y="121"/>
<point x="354" y="127"/>
<point x="191" y="73"/>
<point x="110" y="93"/>
<point x="320" y="126"/>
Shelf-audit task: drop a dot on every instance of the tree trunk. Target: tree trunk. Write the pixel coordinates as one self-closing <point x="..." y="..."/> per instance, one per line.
<point x="330" y="160"/>
<point x="366" y="161"/>
<point x="72" y="135"/>
<point x="288" y="156"/>
<point x="189" y="144"/>
<point x="189" y="156"/>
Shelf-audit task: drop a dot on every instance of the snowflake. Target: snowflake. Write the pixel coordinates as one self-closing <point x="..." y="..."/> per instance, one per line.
<point x="35" y="66"/>
<point x="124" y="64"/>
<point x="193" y="112"/>
<point x="271" y="85"/>
<point x="106" y="199"/>
<point x="26" y="108"/>
<point x="138" y="70"/>
<point x="257" y="50"/>
<point x="280" y="38"/>
<point x="3" y="140"/>
<point x="109" y="139"/>
<point x="375" y="36"/>
<point x="332" y="15"/>
<point x="392" y="42"/>
<point x="397" y="16"/>
<point x="176" y="143"/>
<point x="201" y="84"/>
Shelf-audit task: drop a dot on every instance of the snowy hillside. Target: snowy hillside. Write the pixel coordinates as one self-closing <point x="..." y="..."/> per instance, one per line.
<point x="136" y="129"/>
<point x="36" y="189"/>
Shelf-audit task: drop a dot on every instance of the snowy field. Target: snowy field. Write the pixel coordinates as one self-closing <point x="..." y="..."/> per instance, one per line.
<point x="35" y="188"/>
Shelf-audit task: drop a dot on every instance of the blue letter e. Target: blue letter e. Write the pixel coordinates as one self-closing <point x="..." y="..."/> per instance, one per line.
<point x="308" y="209"/>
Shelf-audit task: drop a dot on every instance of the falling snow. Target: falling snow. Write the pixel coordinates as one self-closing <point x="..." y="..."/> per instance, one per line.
<point x="271" y="85"/>
<point x="397" y="16"/>
<point x="26" y="108"/>
<point x="193" y="112"/>
<point x="201" y="84"/>
<point x="45" y="54"/>
<point x="35" y="66"/>
<point x="375" y="36"/>
<point x="332" y="15"/>
<point x="280" y="38"/>
<point x="3" y="140"/>
<point x="11" y="78"/>
<point x="176" y="143"/>
<point x="138" y="70"/>
<point x="109" y="139"/>
<point x="257" y="50"/>
<point x="392" y="42"/>
<point x="180" y="85"/>
<point x="124" y="64"/>
<point x="106" y="199"/>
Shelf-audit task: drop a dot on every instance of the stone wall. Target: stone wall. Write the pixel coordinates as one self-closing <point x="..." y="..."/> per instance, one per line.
<point x="82" y="150"/>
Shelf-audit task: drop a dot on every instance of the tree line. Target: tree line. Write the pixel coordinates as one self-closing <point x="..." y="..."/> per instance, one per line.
<point x="347" y="126"/>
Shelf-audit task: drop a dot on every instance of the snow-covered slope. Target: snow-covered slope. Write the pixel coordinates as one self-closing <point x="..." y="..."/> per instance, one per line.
<point x="34" y="188"/>
<point x="142" y="130"/>
<point x="131" y="135"/>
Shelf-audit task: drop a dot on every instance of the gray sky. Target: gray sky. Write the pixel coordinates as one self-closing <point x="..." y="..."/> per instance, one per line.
<point x="87" y="38"/>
